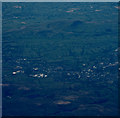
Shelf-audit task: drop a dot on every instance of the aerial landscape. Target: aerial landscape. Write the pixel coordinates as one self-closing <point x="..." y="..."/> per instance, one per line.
<point x="60" y="59"/>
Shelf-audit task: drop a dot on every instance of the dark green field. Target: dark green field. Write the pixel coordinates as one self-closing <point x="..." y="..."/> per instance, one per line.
<point x="60" y="59"/>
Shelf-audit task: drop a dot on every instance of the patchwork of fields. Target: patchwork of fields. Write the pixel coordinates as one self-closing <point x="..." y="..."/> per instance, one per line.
<point x="60" y="59"/>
